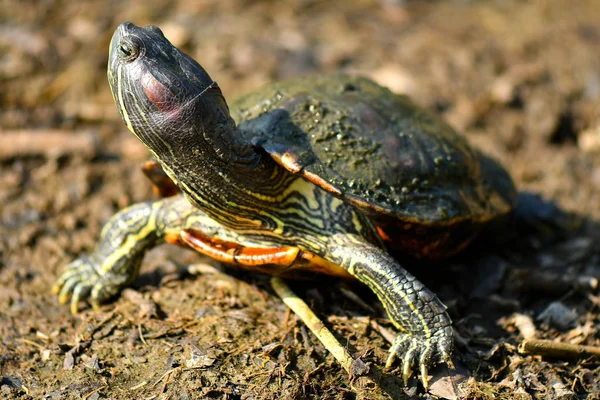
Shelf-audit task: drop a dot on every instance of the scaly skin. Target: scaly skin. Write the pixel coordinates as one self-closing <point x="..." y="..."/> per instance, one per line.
<point x="426" y="327"/>
<point x="417" y="312"/>
<point x="124" y="240"/>
<point x="261" y="185"/>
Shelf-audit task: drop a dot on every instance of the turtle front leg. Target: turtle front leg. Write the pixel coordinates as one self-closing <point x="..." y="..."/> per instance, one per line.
<point x="426" y="329"/>
<point x="124" y="240"/>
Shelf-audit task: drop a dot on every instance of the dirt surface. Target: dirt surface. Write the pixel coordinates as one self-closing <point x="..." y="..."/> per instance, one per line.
<point x="521" y="79"/>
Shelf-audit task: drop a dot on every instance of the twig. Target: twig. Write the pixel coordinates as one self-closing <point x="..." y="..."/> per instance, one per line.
<point x="87" y="396"/>
<point x="557" y="349"/>
<point x="141" y="334"/>
<point x="525" y="325"/>
<point x="26" y="341"/>
<point x="48" y="143"/>
<point x="138" y="386"/>
<point x="313" y="322"/>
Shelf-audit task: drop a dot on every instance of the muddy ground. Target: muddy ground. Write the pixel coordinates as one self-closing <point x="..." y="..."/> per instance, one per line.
<point x="521" y="79"/>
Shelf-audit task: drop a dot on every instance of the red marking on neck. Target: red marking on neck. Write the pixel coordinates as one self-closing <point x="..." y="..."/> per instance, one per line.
<point x="162" y="98"/>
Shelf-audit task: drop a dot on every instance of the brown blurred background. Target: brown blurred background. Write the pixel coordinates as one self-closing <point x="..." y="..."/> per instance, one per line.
<point x="521" y="79"/>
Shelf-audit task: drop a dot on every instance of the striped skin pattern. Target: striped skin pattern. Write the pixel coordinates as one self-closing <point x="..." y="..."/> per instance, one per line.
<point x="123" y="242"/>
<point x="420" y="316"/>
<point x="234" y="191"/>
<point x="322" y="224"/>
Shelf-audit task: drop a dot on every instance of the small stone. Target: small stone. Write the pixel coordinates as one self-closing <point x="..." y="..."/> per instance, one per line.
<point x="559" y="316"/>
<point x="589" y="140"/>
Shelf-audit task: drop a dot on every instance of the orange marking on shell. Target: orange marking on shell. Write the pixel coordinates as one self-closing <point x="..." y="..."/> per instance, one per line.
<point x="383" y="235"/>
<point x="231" y="252"/>
<point x="282" y="256"/>
<point x="202" y="244"/>
<point x="286" y="261"/>
<point x="174" y="238"/>
<point x="365" y="205"/>
<point x="320" y="265"/>
<point x="150" y="165"/>
<point x="290" y="162"/>
<point x="162" y="185"/>
<point x="322" y="183"/>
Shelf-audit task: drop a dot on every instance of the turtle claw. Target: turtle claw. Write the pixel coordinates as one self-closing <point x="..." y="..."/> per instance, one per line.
<point x="424" y="351"/>
<point x="84" y="280"/>
<point x="79" y="293"/>
<point x="424" y="376"/>
<point x="65" y="291"/>
<point x="76" y="282"/>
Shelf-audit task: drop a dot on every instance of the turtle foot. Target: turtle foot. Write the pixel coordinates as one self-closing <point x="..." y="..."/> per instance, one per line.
<point x="421" y="350"/>
<point x="84" y="280"/>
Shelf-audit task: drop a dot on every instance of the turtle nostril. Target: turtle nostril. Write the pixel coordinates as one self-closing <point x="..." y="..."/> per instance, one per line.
<point x="154" y="29"/>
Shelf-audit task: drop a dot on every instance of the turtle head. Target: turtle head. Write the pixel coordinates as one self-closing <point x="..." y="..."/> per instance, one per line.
<point x="166" y="98"/>
<point x="174" y="107"/>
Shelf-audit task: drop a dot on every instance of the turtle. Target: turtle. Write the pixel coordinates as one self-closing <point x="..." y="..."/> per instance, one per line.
<point x="326" y="174"/>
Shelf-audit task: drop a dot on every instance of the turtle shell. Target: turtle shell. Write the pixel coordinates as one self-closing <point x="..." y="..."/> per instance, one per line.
<point x="374" y="149"/>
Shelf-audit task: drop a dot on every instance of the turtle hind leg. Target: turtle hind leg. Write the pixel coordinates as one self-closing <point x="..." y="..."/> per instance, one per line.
<point x="426" y="333"/>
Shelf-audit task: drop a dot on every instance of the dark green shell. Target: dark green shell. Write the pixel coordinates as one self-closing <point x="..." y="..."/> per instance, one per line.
<point x="383" y="153"/>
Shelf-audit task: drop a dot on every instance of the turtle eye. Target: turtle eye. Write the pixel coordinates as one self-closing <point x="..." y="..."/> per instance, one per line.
<point x="129" y="50"/>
